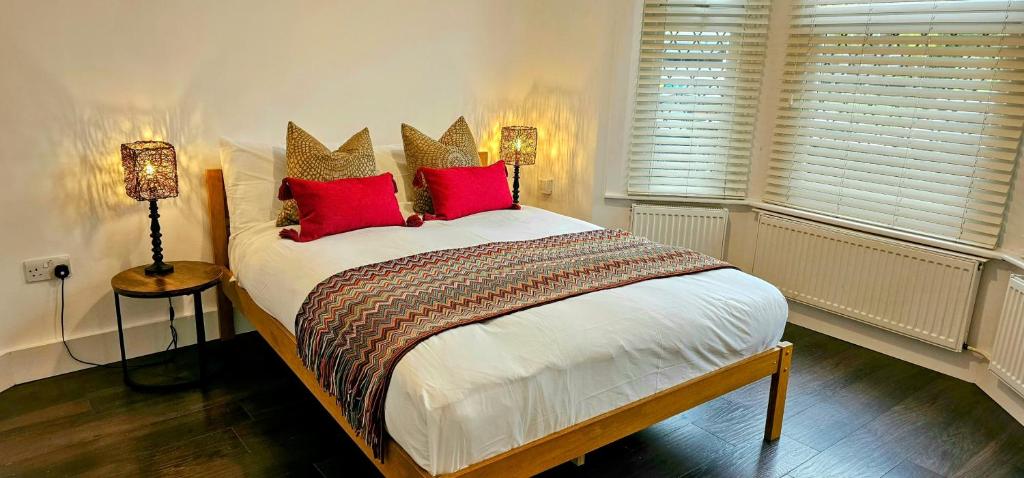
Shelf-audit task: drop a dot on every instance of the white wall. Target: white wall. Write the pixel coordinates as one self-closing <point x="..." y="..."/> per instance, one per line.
<point x="80" y="78"/>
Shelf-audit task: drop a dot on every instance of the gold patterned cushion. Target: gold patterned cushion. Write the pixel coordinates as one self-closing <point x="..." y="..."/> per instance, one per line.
<point x="455" y="147"/>
<point x="309" y="159"/>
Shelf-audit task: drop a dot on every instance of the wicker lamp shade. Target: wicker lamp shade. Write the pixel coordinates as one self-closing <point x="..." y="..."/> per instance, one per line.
<point x="518" y="145"/>
<point x="150" y="170"/>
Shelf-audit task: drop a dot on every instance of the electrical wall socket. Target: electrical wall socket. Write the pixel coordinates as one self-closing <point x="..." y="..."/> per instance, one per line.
<point x="547" y="185"/>
<point x="41" y="269"/>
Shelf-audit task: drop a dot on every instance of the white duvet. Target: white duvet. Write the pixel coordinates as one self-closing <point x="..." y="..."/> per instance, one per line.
<point x="479" y="390"/>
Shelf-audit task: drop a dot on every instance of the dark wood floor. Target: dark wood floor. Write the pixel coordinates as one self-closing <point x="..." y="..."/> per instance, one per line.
<point x="851" y="412"/>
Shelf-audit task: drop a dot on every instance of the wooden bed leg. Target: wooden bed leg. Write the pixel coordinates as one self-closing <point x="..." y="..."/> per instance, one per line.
<point x="579" y="460"/>
<point x="777" y="396"/>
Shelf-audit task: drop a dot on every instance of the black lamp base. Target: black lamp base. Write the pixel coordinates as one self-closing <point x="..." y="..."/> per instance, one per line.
<point x="159" y="269"/>
<point x="515" y="183"/>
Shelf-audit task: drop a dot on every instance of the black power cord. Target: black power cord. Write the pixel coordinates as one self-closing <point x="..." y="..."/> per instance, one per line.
<point x="174" y="331"/>
<point x="62" y="272"/>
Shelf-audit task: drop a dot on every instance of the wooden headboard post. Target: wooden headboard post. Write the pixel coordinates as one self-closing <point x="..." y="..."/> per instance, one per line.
<point x="219" y="232"/>
<point x="483" y="158"/>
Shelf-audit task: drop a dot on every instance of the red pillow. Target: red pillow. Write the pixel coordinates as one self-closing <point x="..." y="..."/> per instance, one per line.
<point x="458" y="192"/>
<point x="341" y="205"/>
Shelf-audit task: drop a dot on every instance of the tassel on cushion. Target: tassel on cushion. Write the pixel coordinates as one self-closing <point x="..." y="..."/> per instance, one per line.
<point x="417" y="220"/>
<point x="284" y="192"/>
<point x="419" y="180"/>
<point x="414" y="221"/>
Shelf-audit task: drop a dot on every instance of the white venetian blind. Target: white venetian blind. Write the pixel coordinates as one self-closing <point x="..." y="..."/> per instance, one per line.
<point x="696" y="97"/>
<point x="906" y="114"/>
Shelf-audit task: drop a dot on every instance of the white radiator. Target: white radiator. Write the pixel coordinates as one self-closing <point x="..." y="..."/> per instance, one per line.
<point x="1008" y="353"/>
<point x="912" y="290"/>
<point x="700" y="229"/>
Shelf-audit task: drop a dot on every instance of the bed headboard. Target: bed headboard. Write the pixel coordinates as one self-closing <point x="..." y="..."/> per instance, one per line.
<point x="217" y="205"/>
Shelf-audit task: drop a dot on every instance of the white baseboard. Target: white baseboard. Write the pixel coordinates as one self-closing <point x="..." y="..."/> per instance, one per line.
<point x="6" y="379"/>
<point x="50" y="359"/>
<point x="964" y="365"/>
<point x="1002" y="394"/>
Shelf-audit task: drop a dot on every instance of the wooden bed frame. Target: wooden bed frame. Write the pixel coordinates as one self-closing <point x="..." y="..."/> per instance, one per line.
<point x="570" y="444"/>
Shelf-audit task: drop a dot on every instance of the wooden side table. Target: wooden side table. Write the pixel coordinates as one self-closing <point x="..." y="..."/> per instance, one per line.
<point x="189" y="277"/>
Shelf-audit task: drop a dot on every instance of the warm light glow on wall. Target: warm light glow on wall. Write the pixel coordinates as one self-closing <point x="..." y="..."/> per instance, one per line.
<point x="91" y="176"/>
<point x="562" y="126"/>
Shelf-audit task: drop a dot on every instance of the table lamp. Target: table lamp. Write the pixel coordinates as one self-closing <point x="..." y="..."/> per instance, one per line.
<point x="151" y="173"/>
<point x="518" y="147"/>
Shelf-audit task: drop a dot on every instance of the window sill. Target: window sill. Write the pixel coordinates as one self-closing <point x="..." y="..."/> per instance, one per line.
<point x="976" y="252"/>
<point x="1013" y="260"/>
<point x="675" y="199"/>
<point x="941" y="245"/>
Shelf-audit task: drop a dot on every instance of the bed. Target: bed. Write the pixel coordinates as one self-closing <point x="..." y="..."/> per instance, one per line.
<point x="535" y="388"/>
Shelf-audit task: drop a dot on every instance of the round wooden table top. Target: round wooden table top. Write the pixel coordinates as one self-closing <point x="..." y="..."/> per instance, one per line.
<point x="188" y="277"/>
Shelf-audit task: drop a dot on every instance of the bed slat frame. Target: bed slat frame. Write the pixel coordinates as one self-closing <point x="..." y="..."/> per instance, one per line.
<point x="531" y="458"/>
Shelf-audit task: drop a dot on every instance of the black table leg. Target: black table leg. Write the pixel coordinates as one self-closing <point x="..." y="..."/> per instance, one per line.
<point x="200" y="349"/>
<point x="200" y="337"/>
<point x="120" y="338"/>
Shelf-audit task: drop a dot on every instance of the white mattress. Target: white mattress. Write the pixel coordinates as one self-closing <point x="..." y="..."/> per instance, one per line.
<point x="479" y="390"/>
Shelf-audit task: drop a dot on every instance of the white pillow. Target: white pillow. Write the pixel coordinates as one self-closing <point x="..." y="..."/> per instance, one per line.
<point x="252" y="175"/>
<point x="391" y="159"/>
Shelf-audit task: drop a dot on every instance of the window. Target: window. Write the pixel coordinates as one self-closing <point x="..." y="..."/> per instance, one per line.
<point x="696" y="97"/>
<point x="906" y="114"/>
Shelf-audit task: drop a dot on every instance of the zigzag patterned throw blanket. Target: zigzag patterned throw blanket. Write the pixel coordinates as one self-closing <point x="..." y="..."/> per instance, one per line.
<point x="355" y="326"/>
